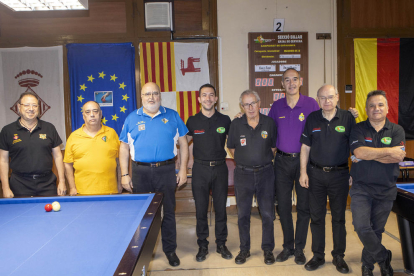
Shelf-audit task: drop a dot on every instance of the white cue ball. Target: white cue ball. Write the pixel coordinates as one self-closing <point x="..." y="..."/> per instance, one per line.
<point x="56" y="206"/>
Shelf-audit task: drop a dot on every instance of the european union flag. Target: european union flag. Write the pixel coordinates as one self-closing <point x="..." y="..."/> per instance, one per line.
<point x="104" y="73"/>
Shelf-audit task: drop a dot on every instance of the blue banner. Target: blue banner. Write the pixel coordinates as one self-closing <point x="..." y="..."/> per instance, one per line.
<point x="104" y="73"/>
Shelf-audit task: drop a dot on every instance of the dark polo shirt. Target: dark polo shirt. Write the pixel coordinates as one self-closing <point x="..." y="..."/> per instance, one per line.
<point x="209" y="135"/>
<point x="329" y="140"/>
<point x="30" y="152"/>
<point x="371" y="177"/>
<point x="253" y="147"/>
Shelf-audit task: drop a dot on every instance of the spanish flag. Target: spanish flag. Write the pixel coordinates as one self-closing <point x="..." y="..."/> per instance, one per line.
<point x="386" y="64"/>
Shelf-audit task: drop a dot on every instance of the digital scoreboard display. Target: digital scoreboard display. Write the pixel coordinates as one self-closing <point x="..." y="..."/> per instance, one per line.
<point x="264" y="82"/>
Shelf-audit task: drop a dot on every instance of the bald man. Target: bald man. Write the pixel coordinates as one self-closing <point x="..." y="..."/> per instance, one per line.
<point x="150" y="135"/>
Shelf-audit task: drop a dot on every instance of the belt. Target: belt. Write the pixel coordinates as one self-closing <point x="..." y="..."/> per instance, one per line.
<point x="210" y="163"/>
<point x="254" y="168"/>
<point x="296" y="154"/>
<point x="33" y="176"/>
<point x="329" y="169"/>
<point x="156" y="164"/>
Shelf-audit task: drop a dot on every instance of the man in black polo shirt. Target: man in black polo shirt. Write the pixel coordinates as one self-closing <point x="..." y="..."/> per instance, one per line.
<point x="209" y="130"/>
<point x="31" y="144"/>
<point x="252" y="142"/>
<point x="378" y="146"/>
<point x="324" y="172"/>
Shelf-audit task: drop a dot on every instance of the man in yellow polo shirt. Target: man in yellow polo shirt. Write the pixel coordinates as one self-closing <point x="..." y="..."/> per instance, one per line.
<point x="91" y="155"/>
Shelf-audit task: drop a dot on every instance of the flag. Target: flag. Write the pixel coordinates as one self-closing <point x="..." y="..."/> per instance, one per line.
<point x="104" y="73"/>
<point x="38" y="70"/>
<point x="184" y="102"/>
<point x="387" y="64"/>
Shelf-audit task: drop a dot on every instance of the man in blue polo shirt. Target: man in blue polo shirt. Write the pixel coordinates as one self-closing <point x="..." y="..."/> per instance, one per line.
<point x="150" y="134"/>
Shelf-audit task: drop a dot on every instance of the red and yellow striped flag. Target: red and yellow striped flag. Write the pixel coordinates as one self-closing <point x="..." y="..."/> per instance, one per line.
<point x="187" y="104"/>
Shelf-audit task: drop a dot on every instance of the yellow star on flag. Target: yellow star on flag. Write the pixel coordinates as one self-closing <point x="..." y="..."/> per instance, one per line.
<point x="83" y="87"/>
<point x="122" y="85"/>
<point x="123" y="109"/>
<point x="104" y="120"/>
<point x="113" y="77"/>
<point x="80" y="99"/>
<point x="102" y="75"/>
<point x="81" y="109"/>
<point x="114" y="117"/>
<point x="125" y="97"/>
<point x="90" y="78"/>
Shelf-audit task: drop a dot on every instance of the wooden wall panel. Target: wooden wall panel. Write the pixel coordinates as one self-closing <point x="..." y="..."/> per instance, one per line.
<point x="188" y="15"/>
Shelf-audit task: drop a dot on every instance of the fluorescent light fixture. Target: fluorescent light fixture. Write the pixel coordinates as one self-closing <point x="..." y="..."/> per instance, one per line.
<point x="45" y="5"/>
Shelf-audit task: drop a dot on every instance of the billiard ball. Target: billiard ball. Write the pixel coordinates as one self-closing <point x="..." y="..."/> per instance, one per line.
<point x="48" y="207"/>
<point x="56" y="206"/>
<point x="54" y="202"/>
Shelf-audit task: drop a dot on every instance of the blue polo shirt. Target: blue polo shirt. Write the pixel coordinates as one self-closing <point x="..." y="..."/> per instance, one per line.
<point x="291" y="122"/>
<point x="153" y="139"/>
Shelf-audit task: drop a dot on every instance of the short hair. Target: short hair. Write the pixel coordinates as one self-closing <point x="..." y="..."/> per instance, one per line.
<point x="207" y="85"/>
<point x="24" y="94"/>
<point x="99" y="107"/>
<point x="248" y="92"/>
<point x="376" y="93"/>
<point x="325" y="84"/>
<point x="291" y="68"/>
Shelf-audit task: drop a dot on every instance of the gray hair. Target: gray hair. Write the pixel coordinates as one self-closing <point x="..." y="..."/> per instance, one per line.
<point x="376" y="93"/>
<point x="248" y="92"/>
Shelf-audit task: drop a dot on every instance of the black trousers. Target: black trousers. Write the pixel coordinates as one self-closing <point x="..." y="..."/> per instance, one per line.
<point x="161" y="179"/>
<point x="27" y="186"/>
<point x="214" y="178"/>
<point x="287" y="172"/>
<point x="334" y="184"/>
<point x="261" y="183"/>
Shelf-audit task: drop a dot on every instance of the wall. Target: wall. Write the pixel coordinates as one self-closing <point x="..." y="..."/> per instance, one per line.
<point x="237" y="18"/>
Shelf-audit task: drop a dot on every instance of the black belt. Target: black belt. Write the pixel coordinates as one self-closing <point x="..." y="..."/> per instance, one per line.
<point x="253" y="168"/>
<point x="329" y="169"/>
<point x="210" y="163"/>
<point x="33" y="176"/>
<point x="296" y="154"/>
<point x="156" y="164"/>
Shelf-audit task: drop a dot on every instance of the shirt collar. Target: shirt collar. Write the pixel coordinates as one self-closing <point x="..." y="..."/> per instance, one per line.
<point x="19" y="126"/>
<point x="161" y="110"/>
<point x="83" y="133"/>
<point x="203" y="117"/>
<point x="387" y="124"/>
<point x="298" y="104"/>
<point x="244" y="119"/>
<point x="337" y="114"/>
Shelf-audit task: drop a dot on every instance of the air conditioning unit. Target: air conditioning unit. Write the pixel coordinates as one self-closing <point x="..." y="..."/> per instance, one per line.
<point x="158" y="16"/>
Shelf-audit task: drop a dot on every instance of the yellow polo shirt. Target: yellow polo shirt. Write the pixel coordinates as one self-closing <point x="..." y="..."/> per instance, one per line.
<point x="94" y="160"/>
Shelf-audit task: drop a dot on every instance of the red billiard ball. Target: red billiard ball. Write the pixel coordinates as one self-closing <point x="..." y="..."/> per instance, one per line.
<point x="48" y="207"/>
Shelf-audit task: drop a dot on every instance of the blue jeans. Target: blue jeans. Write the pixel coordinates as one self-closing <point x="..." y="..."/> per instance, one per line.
<point x="369" y="217"/>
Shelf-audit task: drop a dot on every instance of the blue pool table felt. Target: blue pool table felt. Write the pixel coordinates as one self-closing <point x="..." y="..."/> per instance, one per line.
<point x="409" y="187"/>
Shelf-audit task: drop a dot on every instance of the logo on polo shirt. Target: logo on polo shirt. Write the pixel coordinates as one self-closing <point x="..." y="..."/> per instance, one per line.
<point x="340" y="128"/>
<point x="42" y="136"/>
<point x="164" y="121"/>
<point x="386" y="140"/>
<point x="201" y="131"/>
<point x="264" y="134"/>
<point x="282" y="117"/>
<point x="316" y="129"/>
<point x="221" y="129"/>
<point x="16" y="139"/>
<point x="104" y="138"/>
<point x="301" y="117"/>
<point x="368" y="139"/>
<point x="243" y="142"/>
<point x="141" y="127"/>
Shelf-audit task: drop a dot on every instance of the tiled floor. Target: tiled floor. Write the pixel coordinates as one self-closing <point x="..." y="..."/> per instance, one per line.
<point x="215" y="265"/>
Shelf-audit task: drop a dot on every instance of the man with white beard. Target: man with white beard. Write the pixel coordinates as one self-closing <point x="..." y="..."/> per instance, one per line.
<point x="150" y="134"/>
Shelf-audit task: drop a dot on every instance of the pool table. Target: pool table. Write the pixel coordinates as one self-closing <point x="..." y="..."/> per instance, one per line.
<point x="404" y="208"/>
<point x="90" y="235"/>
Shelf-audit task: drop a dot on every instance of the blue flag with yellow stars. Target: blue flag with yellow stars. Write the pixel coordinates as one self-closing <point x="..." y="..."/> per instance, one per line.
<point x="104" y="73"/>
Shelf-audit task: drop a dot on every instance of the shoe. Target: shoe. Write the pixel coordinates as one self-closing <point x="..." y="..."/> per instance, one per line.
<point x="314" y="263"/>
<point x="300" y="258"/>
<point x="385" y="266"/>
<point x="225" y="253"/>
<point x="284" y="255"/>
<point x="340" y="264"/>
<point x="269" y="258"/>
<point x="202" y="253"/>
<point x="243" y="255"/>
<point x="173" y="259"/>
<point x="366" y="271"/>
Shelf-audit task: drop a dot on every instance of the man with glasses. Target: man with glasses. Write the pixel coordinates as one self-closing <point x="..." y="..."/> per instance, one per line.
<point x="252" y="140"/>
<point x="32" y="145"/>
<point x="150" y="134"/>
<point x="324" y="172"/>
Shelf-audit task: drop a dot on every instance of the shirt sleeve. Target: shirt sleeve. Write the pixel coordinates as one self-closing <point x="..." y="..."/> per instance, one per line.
<point x="182" y="129"/>
<point x="190" y="129"/>
<point x="357" y="138"/>
<point x="231" y="144"/>
<point x="68" y="158"/>
<point x="115" y="140"/>
<point x="272" y="113"/>
<point x="274" y="133"/>
<point x="398" y="138"/>
<point x="124" y="132"/>
<point x="3" y="140"/>
<point x="306" y="137"/>
<point x="56" y="138"/>
<point x="228" y="123"/>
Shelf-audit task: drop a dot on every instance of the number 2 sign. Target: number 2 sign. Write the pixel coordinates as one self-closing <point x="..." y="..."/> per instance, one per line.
<point x="278" y="25"/>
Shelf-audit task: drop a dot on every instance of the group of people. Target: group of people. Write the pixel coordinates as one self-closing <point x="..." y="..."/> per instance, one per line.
<point x="301" y="144"/>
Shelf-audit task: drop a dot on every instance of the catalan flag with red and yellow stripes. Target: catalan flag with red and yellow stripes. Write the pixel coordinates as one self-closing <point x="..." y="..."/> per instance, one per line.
<point x="184" y="102"/>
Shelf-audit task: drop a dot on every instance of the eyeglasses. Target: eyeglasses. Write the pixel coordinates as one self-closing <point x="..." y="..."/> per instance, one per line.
<point x="248" y="105"/>
<point x="148" y="94"/>
<point x="330" y="98"/>
<point x="30" y="105"/>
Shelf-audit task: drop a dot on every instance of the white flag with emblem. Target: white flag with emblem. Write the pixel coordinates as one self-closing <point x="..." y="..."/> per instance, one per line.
<point x="40" y="71"/>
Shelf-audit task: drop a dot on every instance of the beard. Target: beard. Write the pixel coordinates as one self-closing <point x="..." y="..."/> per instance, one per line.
<point x="152" y="108"/>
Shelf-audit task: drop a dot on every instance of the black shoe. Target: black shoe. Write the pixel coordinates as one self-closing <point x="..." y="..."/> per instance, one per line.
<point x="225" y="253"/>
<point x="314" y="263"/>
<point x="366" y="271"/>
<point x="172" y="259"/>
<point x="269" y="258"/>
<point x="202" y="253"/>
<point x="243" y="255"/>
<point x="284" y="255"/>
<point x="385" y="266"/>
<point x="300" y="258"/>
<point x="340" y="264"/>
